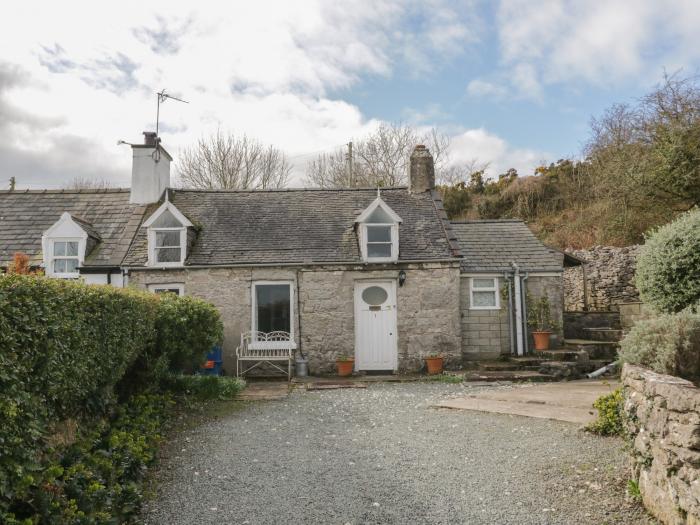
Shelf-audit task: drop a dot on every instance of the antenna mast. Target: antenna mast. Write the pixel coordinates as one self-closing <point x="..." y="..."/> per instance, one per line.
<point x="162" y="97"/>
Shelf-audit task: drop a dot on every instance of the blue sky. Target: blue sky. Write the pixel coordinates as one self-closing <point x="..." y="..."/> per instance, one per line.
<point x="513" y="82"/>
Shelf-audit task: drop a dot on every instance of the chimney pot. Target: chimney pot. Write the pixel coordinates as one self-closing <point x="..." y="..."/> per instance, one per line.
<point x="421" y="176"/>
<point x="150" y="138"/>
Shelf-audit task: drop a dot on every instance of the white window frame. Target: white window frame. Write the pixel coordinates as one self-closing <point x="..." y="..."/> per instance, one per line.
<point x="152" y="261"/>
<point x="81" y="251"/>
<point x="394" y="229"/>
<point x="493" y="289"/>
<point x="394" y="233"/>
<point x="254" y="306"/>
<point x="185" y="223"/>
<point x="167" y="286"/>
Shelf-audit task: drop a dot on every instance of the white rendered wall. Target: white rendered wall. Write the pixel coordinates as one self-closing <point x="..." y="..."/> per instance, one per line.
<point x="148" y="178"/>
<point x="101" y="278"/>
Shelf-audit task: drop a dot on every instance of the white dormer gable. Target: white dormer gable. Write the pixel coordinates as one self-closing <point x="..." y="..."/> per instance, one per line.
<point x="167" y="236"/>
<point x="378" y="231"/>
<point x="63" y="246"/>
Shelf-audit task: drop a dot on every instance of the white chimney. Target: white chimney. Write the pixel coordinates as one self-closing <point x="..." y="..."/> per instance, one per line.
<point x="150" y="172"/>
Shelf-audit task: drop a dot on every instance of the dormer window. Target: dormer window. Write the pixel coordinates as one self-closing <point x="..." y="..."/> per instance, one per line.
<point x="65" y="259"/>
<point x="66" y="244"/>
<point x="167" y="236"/>
<point x="378" y="229"/>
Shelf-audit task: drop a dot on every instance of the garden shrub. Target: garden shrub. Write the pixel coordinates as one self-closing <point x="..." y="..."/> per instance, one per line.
<point x="609" y="421"/>
<point x="96" y="479"/>
<point x="667" y="344"/>
<point x="668" y="266"/>
<point x="206" y="388"/>
<point x="66" y="351"/>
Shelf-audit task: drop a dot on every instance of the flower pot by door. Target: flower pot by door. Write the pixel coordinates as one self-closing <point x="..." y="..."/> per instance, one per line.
<point x="541" y="340"/>
<point x="345" y="367"/>
<point x="434" y="365"/>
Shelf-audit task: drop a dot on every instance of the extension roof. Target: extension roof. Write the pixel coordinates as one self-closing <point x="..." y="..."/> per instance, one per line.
<point x="106" y="215"/>
<point x="491" y="246"/>
<point x="299" y="226"/>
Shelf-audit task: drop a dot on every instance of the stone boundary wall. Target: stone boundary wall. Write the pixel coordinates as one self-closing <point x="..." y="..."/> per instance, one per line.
<point x="575" y="322"/>
<point x="609" y="278"/>
<point x="663" y="420"/>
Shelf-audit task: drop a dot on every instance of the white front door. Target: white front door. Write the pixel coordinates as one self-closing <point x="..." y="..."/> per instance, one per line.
<point x="375" y="325"/>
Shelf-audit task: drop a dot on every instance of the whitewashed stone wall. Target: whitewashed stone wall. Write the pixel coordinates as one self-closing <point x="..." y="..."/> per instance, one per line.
<point x="663" y="420"/>
<point x="428" y="307"/>
<point x="609" y="278"/>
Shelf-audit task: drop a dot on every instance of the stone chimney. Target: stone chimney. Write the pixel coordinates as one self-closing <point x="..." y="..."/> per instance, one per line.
<point x="150" y="172"/>
<point x="421" y="174"/>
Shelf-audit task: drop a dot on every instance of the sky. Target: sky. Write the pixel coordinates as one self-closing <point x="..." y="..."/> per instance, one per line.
<point x="514" y="83"/>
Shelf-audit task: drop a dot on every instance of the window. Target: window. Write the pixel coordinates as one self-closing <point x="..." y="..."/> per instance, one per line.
<point x="168" y="247"/>
<point x="273" y="307"/>
<point x="484" y="293"/>
<point x="65" y="258"/>
<point x="379" y="233"/>
<point x="176" y="288"/>
<point x="167" y="236"/>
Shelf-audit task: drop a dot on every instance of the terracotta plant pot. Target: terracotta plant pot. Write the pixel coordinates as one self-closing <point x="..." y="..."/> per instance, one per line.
<point x="345" y="367"/>
<point x="434" y="365"/>
<point x="541" y="340"/>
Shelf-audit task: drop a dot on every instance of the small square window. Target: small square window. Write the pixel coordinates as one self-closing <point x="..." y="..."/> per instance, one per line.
<point x="484" y="293"/>
<point x="167" y="246"/>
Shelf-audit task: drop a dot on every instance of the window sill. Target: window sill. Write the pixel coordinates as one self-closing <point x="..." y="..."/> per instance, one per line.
<point x="492" y="308"/>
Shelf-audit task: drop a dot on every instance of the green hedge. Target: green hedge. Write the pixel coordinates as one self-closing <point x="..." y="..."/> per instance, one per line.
<point x="68" y="350"/>
<point x="667" y="344"/>
<point x="668" y="266"/>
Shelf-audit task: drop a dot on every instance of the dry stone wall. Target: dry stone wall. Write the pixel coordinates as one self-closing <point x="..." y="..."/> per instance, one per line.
<point x="609" y="278"/>
<point x="663" y="420"/>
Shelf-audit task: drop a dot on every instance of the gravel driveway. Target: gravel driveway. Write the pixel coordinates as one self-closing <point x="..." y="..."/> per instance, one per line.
<point x="382" y="455"/>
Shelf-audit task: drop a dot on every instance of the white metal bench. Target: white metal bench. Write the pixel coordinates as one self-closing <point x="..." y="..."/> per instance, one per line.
<point x="265" y="348"/>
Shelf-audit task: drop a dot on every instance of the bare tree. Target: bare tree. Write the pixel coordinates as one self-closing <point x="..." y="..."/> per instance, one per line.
<point x="87" y="183"/>
<point x="380" y="159"/>
<point x="224" y="161"/>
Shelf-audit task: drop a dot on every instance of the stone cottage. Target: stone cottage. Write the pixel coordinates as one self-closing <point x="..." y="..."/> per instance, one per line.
<point x="378" y="274"/>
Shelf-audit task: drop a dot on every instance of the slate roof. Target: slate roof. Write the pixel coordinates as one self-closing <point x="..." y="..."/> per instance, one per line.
<point x="301" y="226"/>
<point x="106" y="215"/>
<point x="491" y="246"/>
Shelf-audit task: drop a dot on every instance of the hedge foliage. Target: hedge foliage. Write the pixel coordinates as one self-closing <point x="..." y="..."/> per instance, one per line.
<point x="667" y="344"/>
<point x="69" y="351"/>
<point x="668" y="266"/>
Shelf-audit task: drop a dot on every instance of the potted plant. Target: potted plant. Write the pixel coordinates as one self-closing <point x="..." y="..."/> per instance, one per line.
<point x="434" y="364"/>
<point x="539" y="319"/>
<point x="345" y="365"/>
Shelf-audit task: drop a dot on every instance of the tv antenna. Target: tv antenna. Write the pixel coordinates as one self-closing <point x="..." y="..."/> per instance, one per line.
<point x="162" y="97"/>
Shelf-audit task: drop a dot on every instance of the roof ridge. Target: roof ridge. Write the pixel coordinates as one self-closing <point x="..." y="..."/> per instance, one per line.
<point x="64" y="191"/>
<point x="283" y="190"/>
<point x="481" y="221"/>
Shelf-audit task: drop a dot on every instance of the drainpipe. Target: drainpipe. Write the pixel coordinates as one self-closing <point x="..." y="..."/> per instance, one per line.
<point x="511" y="340"/>
<point x="301" y="354"/>
<point x="526" y="340"/>
<point x="518" y="309"/>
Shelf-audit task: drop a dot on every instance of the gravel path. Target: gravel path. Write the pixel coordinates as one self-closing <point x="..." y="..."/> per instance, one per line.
<point x="382" y="455"/>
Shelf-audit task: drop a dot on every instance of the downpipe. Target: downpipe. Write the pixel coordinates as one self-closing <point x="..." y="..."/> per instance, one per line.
<point x="511" y="339"/>
<point x="607" y="368"/>
<point x="518" y="309"/>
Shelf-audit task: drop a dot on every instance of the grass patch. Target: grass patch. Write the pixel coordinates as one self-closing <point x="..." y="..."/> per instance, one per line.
<point x="206" y="388"/>
<point x="633" y="490"/>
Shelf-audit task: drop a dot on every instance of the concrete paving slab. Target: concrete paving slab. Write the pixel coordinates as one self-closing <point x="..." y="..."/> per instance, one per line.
<point x="570" y="401"/>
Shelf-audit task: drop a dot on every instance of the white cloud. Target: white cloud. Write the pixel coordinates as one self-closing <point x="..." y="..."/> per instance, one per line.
<point x="486" y="148"/>
<point x="601" y="42"/>
<point x="484" y="88"/>
<point x="91" y="71"/>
